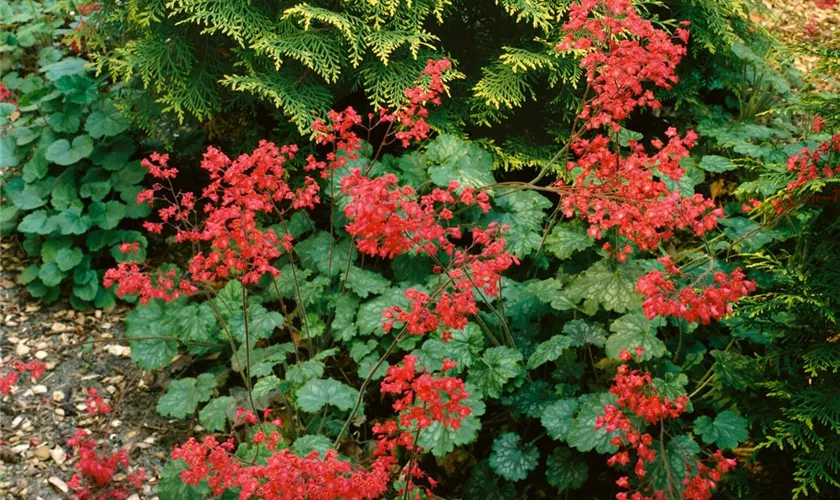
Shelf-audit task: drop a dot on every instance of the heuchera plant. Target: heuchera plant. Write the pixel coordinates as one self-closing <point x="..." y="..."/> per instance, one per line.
<point x="625" y="196"/>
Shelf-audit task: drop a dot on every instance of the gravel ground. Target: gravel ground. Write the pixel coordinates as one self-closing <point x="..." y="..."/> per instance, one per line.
<point x="81" y="350"/>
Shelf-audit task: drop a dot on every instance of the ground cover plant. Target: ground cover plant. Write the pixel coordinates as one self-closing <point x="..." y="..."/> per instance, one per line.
<point x="378" y="310"/>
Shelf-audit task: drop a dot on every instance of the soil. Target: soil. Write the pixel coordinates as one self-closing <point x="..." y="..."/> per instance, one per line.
<point x="81" y="350"/>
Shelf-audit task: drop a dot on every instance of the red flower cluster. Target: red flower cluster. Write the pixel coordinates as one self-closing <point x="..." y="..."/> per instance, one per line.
<point x="339" y="132"/>
<point x="411" y="119"/>
<point x="691" y="302"/>
<point x="4" y="93"/>
<point x="637" y="396"/>
<point x="825" y="4"/>
<point x="389" y="220"/>
<point x="810" y="165"/>
<point x="96" y="404"/>
<point x="95" y="472"/>
<point x="610" y="189"/>
<point x="35" y="368"/>
<point x="423" y="400"/>
<point x="613" y="191"/>
<point x="456" y="300"/>
<point x="239" y="191"/>
<point x="622" y="53"/>
<point x="284" y="476"/>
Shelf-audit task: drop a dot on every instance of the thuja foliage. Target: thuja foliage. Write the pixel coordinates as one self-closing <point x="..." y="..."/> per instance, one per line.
<point x="69" y="178"/>
<point x="249" y="69"/>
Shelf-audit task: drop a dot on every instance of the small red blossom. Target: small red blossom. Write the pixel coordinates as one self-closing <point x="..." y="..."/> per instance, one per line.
<point x="637" y="396"/>
<point x="96" y="404"/>
<point x="94" y="477"/>
<point x="691" y="302"/>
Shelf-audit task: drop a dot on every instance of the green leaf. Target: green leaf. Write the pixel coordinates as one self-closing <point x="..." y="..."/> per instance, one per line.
<point x="96" y="190"/>
<point x="497" y="366"/>
<point x="369" y="316"/>
<point x="454" y="159"/>
<point x="9" y="156"/>
<point x="148" y="322"/>
<point x="558" y="417"/>
<point x="86" y="285"/>
<point x="67" y="258"/>
<point x="62" y="152"/>
<point x="263" y="361"/>
<point x="315" y="251"/>
<point x="549" y="351"/>
<point x="511" y="459"/>
<point x="746" y="234"/>
<point x="582" y="333"/>
<point x="213" y="416"/>
<point x="726" y="431"/>
<point x="524" y="212"/>
<point x="29" y="274"/>
<point x="305" y="371"/>
<point x="566" y="469"/>
<point x="582" y="434"/>
<point x="65" y="66"/>
<point x="363" y="282"/>
<point x="196" y="323"/>
<point x="718" y="164"/>
<point x="51" y="274"/>
<point x="264" y="386"/>
<point x="463" y="348"/>
<point x="613" y="289"/>
<point x="735" y="370"/>
<point x="317" y="393"/>
<point x="37" y="222"/>
<point x="631" y="331"/>
<point x="183" y="396"/>
<point x="261" y="323"/>
<point x="66" y="121"/>
<point x="304" y="445"/>
<point x="106" y="215"/>
<point x="483" y="484"/>
<point x="344" y="322"/>
<point x="550" y="292"/>
<point x="114" y="155"/>
<point x="172" y="487"/>
<point x="566" y="239"/>
<point x="36" y="168"/>
<point x="28" y="197"/>
<point x="440" y="439"/>
<point x="679" y="458"/>
<point x="71" y="221"/>
<point x="78" y="88"/>
<point x="531" y="399"/>
<point x="107" y="122"/>
<point x="63" y="196"/>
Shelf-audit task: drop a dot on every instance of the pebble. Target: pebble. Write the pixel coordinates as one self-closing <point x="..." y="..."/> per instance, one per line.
<point x="16" y="422"/>
<point x="41" y="354"/>
<point x="20" y="448"/>
<point x="59" y="327"/>
<point x="42" y="452"/>
<point x="58" y="396"/>
<point x="59" y="484"/>
<point x="59" y="412"/>
<point x="39" y="389"/>
<point x="58" y="454"/>
<point x="22" y="349"/>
